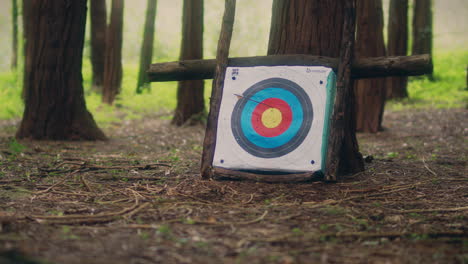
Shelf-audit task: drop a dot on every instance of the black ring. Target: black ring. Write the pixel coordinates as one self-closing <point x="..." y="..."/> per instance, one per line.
<point x="286" y="148"/>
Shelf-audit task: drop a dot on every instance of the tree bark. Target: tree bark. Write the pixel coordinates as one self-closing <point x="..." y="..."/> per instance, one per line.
<point x="306" y="27"/>
<point x="54" y="101"/>
<point x="98" y="41"/>
<point x="370" y="94"/>
<point x="317" y="28"/>
<point x="113" y="54"/>
<point x="343" y="150"/>
<point x="360" y="69"/>
<point x="422" y="28"/>
<point x="190" y="101"/>
<point x="146" y="54"/>
<point x="25" y="16"/>
<point x="222" y="56"/>
<point x="14" y="52"/>
<point x="397" y="45"/>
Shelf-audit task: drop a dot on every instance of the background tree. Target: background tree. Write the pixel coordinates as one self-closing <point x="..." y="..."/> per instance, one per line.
<point x="146" y="54"/>
<point x="316" y="28"/>
<point x="98" y="20"/>
<point x="25" y="15"/>
<point x="113" y="54"/>
<point x="190" y="101"/>
<point x="422" y="28"/>
<point x="54" y="100"/>
<point x="14" y="16"/>
<point x="397" y="45"/>
<point x="370" y="93"/>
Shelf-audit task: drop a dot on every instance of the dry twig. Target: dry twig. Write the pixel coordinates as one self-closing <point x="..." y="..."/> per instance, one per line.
<point x="438" y="210"/>
<point x="89" y="219"/>
<point x="58" y="183"/>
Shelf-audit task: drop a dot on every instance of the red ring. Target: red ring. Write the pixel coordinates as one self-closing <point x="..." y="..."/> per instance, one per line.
<point x="266" y="104"/>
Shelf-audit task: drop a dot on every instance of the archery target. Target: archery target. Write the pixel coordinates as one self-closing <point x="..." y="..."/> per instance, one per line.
<point x="274" y="118"/>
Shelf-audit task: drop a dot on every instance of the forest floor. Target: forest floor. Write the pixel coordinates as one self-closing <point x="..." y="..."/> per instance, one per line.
<point x="139" y="198"/>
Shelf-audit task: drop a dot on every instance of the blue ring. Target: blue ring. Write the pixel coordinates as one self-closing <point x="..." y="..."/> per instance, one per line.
<point x="240" y="120"/>
<point x="286" y="136"/>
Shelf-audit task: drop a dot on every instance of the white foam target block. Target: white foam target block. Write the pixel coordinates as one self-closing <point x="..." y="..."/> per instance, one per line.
<point x="274" y="119"/>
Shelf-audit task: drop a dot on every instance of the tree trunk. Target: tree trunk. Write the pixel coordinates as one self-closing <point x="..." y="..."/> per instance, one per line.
<point x="422" y="28"/>
<point x="397" y="45"/>
<point x="55" y="107"/>
<point x="113" y="54"/>
<point x="146" y="54"/>
<point x="98" y="41"/>
<point x="316" y="28"/>
<point x="190" y="101"/>
<point x="14" y="16"/>
<point x="370" y="93"/>
<point x="25" y="16"/>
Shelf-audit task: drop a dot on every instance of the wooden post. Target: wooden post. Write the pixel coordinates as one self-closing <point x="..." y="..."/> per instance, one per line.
<point x="222" y="55"/>
<point x="343" y="152"/>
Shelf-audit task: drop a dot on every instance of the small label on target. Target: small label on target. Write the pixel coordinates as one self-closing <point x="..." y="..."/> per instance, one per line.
<point x="234" y="73"/>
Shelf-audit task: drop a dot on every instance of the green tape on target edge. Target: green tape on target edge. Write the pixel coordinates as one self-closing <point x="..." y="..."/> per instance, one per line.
<point x="331" y="91"/>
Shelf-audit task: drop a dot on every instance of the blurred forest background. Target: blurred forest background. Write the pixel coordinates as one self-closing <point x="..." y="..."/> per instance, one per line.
<point x="251" y="32"/>
<point x="140" y="199"/>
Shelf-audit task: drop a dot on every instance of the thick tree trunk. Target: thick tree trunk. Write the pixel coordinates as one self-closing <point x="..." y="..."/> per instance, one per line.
<point x="306" y="27"/>
<point x="98" y="41"/>
<point x="14" y="52"/>
<point x="190" y="101"/>
<point x="55" y="107"/>
<point x="370" y="93"/>
<point x="113" y="54"/>
<point x="422" y="28"/>
<point x="146" y="54"/>
<point x="397" y="45"/>
<point x="317" y="27"/>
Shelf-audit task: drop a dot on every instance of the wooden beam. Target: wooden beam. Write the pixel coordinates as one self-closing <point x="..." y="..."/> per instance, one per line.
<point x="392" y="66"/>
<point x="362" y="68"/>
<point x="221" y="173"/>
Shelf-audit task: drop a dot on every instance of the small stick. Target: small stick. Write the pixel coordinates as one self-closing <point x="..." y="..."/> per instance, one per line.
<point x="85" y="183"/>
<point x="256" y="220"/>
<point x="427" y="167"/>
<point x="58" y="183"/>
<point x="454" y="209"/>
<point x="89" y="219"/>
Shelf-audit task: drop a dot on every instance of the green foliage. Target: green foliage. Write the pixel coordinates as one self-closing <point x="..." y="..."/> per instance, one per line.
<point x="392" y="155"/>
<point x="297" y="231"/>
<point x="10" y="96"/>
<point x="15" y="147"/>
<point x="129" y="105"/>
<point x="447" y="91"/>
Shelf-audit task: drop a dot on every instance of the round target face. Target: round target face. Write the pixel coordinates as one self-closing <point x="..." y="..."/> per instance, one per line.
<point x="272" y="118"/>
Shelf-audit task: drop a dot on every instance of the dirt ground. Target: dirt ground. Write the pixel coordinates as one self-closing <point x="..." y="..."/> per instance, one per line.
<point x="139" y="198"/>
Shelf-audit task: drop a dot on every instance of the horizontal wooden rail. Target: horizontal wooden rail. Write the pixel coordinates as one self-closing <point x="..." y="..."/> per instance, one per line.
<point x="361" y="68"/>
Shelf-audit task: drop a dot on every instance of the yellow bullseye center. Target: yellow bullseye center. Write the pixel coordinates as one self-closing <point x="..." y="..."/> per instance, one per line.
<point x="271" y="117"/>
